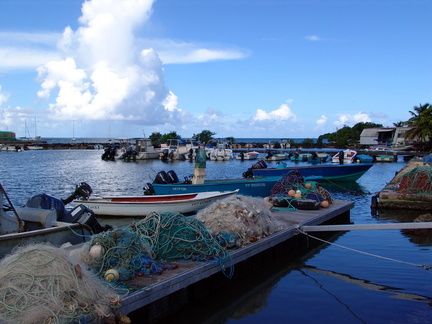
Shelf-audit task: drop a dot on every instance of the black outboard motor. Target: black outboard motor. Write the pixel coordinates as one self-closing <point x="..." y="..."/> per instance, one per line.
<point x="241" y="156"/>
<point x="164" y="155"/>
<point x="172" y="177"/>
<point x="161" y="178"/>
<point x="80" y="214"/>
<point x="259" y="165"/>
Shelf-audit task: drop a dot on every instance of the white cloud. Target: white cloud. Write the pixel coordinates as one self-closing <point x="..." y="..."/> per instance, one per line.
<point x="3" y="97"/>
<point x="283" y="113"/>
<point x="321" y="123"/>
<point x="351" y="120"/>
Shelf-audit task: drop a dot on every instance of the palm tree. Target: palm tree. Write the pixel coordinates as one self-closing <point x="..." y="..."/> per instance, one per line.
<point x="421" y="120"/>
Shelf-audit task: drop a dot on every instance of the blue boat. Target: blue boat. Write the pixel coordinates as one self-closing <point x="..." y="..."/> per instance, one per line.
<point x="256" y="187"/>
<point x="329" y="172"/>
<point x="364" y="158"/>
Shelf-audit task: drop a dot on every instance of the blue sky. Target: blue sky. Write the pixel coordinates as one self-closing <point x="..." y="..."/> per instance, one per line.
<point x="241" y="68"/>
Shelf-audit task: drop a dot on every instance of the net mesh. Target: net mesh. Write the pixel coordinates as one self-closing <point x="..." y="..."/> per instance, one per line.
<point x="417" y="181"/>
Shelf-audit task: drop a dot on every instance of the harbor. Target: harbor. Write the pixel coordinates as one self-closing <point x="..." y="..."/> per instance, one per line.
<point x="286" y="263"/>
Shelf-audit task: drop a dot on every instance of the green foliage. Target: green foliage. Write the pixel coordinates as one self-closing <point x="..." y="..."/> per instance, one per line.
<point x="343" y="136"/>
<point x="204" y="136"/>
<point x="230" y="139"/>
<point x="170" y="135"/>
<point x="155" y="139"/>
<point x="308" y="142"/>
<point x="421" y="120"/>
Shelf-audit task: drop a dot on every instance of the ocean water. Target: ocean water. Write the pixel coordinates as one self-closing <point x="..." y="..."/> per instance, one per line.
<point x="330" y="284"/>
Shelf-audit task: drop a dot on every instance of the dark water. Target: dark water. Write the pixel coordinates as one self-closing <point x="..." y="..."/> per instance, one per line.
<point x="329" y="285"/>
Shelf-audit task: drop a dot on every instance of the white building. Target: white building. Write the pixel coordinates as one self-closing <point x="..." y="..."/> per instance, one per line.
<point x="391" y="136"/>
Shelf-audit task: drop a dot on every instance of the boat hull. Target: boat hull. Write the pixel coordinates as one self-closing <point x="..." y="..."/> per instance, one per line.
<point x="140" y="206"/>
<point x="256" y="187"/>
<point x="338" y="172"/>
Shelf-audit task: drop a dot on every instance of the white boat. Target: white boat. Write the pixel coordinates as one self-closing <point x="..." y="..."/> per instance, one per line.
<point x="35" y="147"/>
<point x="140" y="206"/>
<point x="247" y="156"/>
<point x="44" y="219"/>
<point x="221" y="152"/>
<point x="143" y="149"/>
<point x="275" y="157"/>
<point x="178" y="149"/>
<point x="345" y="157"/>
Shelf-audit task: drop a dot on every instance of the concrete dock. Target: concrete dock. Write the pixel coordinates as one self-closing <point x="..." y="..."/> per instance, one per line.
<point x="158" y="296"/>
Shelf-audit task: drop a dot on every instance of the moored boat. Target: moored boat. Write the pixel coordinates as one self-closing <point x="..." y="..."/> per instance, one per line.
<point x="344" y="157"/>
<point x="140" y="206"/>
<point x="45" y="219"/>
<point x="275" y="156"/>
<point x="247" y="156"/>
<point x="343" y="172"/>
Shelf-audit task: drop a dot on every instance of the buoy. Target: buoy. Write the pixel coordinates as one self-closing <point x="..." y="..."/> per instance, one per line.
<point x="324" y="204"/>
<point x="111" y="275"/>
<point x="96" y="251"/>
<point x="308" y="185"/>
<point x="291" y="193"/>
<point x="298" y="194"/>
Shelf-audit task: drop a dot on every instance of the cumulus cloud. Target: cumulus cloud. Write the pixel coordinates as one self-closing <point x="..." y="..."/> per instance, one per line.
<point x="351" y="120"/>
<point x="283" y="113"/>
<point x="102" y="75"/>
<point x="321" y="123"/>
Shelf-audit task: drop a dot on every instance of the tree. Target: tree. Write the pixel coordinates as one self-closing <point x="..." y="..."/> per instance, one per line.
<point x="155" y="139"/>
<point x="421" y="120"/>
<point x="204" y="136"/>
<point x="170" y="135"/>
<point x="399" y="124"/>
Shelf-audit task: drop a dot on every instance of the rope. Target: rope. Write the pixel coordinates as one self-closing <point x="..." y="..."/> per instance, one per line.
<point x="423" y="266"/>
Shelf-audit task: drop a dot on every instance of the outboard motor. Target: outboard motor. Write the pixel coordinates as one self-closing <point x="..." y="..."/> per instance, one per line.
<point x="241" y="156"/>
<point x="164" y="155"/>
<point x="80" y="214"/>
<point x="259" y="165"/>
<point x="161" y="178"/>
<point x="148" y="189"/>
<point x="172" y="177"/>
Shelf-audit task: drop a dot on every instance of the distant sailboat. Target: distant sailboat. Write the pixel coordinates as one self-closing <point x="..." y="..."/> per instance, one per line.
<point x="73" y="131"/>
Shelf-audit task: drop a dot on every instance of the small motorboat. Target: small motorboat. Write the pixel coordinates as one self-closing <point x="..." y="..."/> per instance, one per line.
<point x="45" y="219"/>
<point x="345" y="157"/>
<point x="275" y="157"/>
<point x="247" y="156"/>
<point x="140" y="206"/>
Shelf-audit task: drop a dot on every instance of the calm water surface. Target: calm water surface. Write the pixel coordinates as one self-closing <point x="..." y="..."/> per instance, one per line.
<point x="328" y="285"/>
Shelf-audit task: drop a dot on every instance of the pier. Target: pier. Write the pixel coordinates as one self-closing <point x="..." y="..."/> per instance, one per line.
<point x="158" y="296"/>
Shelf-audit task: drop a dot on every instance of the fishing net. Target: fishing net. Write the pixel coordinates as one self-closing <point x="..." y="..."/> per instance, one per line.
<point x="39" y="284"/>
<point x="417" y="181"/>
<point x="134" y="249"/>
<point x="293" y="180"/>
<point x="239" y="220"/>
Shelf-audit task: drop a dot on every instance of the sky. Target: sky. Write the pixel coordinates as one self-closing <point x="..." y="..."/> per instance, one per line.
<point x="238" y="68"/>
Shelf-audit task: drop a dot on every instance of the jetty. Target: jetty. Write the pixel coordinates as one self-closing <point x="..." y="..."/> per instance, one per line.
<point x="157" y="296"/>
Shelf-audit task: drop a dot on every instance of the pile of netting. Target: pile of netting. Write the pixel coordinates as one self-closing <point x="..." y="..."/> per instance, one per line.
<point x="293" y="180"/>
<point x="239" y="220"/>
<point x="40" y="284"/>
<point x="417" y="181"/>
<point x="134" y="249"/>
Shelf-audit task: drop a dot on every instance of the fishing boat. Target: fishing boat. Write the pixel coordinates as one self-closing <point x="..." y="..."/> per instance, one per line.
<point x="275" y="156"/>
<point x="344" y="157"/>
<point x="247" y="156"/>
<point x="178" y="149"/>
<point x="364" y="158"/>
<point x="45" y="219"/>
<point x="385" y="158"/>
<point x="300" y="157"/>
<point x="319" y="157"/>
<point x="222" y="151"/>
<point x="326" y="172"/>
<point x="140" y="206"/>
